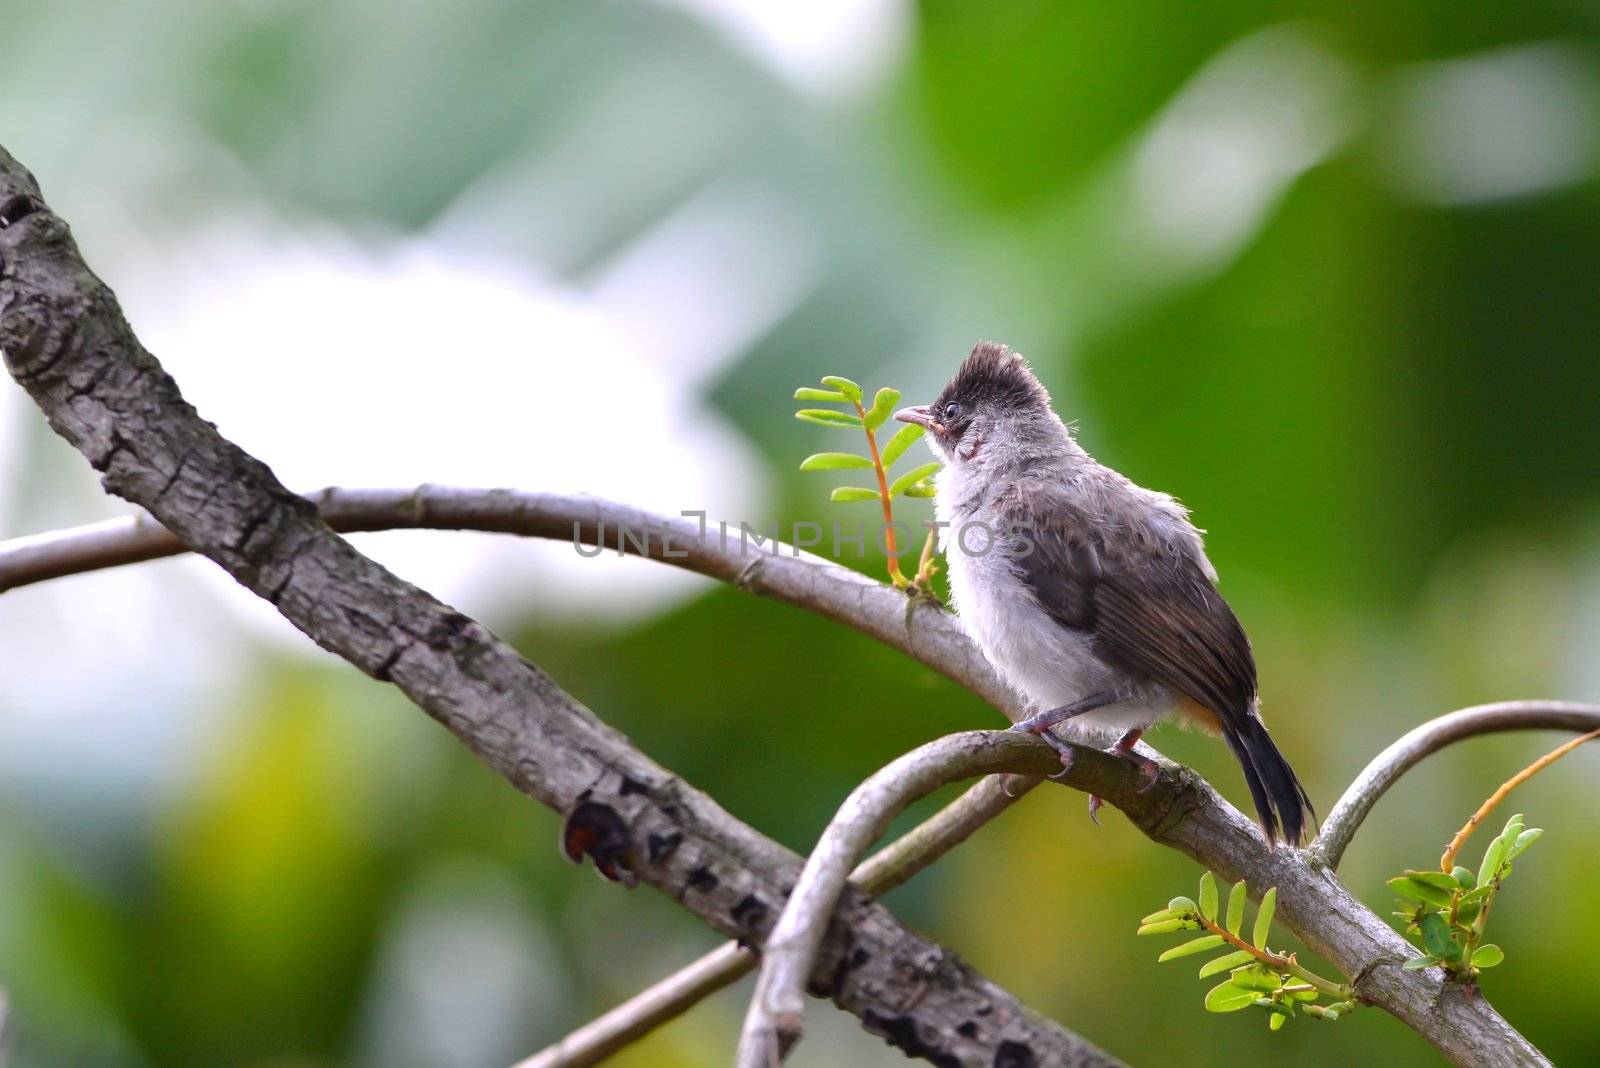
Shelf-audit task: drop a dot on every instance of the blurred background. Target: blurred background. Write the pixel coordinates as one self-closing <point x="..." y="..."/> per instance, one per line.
<point x="1325" y="271"/>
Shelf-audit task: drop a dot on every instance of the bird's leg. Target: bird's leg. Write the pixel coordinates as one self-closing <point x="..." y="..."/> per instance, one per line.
<point x="1041" y="723"/>
<point x="1147" y="767"/>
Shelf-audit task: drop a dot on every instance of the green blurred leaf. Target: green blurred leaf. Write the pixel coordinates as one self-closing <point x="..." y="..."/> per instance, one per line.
<point x="1277" y="1019"/>
<point x="1437" y="879"/>
<point x="833" y="461"/>
<point x="882" y="407"/>
<point x="1407" y="886"/>
<point x="1225" y="997"/>
<point x="1436" y="937"/>
<point x="903" y="439"/>
<point x="1523" y="841"/>
<point x="1194" y="945"/>
<point x="1487" y="955"/>
<point x="1158" y="916"/>
<point x="1225" y="962"/>
<point x="911" y="478"/>
<point x="811" y="393"/>
<point x="1463" y="877"/>
<point x="1166" y="926"/>
<point x="1257" y="977"/>
<point x="1236" y="898"/>
<point x="1493" y="857"/>
<point x="843" y="385"/>
<point x="923" y="490"/>
<point x="854" y="493"/>
<point x="1208" y="896"/>
<point x="1419" y="962"/>
<point x="1269" y="905"/>
<point x="827" y="417"/>
<point x="1183" y="904"/>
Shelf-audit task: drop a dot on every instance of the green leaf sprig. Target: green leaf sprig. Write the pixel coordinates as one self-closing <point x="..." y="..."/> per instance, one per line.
<point x="917" y="482"/>
<point x="1257" y="976"/>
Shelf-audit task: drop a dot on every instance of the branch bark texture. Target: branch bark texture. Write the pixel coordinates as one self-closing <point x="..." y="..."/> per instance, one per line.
<point x="67" y="343"/>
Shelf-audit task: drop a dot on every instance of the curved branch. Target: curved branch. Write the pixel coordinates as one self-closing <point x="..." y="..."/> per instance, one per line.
<point x="66" y="342"/>
<point x="891" y="866"/>
<point x="1386" y="768"/>
<point x="773" y="1023"/>
<point x="917" y="627"/>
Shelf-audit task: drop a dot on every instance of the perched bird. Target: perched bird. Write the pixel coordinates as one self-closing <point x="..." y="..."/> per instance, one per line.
<point x="1091" y="595"/>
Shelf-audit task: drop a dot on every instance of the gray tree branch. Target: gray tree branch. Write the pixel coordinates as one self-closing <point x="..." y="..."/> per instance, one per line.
<point x="67" y="343"/>
<point x="725" y="965"/>
<point x="777" y="1008"/>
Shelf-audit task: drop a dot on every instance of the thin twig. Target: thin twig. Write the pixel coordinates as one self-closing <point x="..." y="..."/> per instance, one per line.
<point x="1386" y="768"/>
<point x="773" y="1023"/>
<point x="919" y="628"/>
<point x="886" y="869"/>
<point x="1448" y="860"/>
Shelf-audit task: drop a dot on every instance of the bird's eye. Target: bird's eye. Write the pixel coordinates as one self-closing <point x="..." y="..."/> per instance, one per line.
<point x="952" y="412"/>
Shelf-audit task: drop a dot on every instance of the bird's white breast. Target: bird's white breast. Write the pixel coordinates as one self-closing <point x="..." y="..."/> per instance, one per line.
<point x="1048" y="664"/>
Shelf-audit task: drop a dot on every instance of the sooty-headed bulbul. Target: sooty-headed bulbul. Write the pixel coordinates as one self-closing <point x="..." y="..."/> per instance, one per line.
<point x="1092" y="596"/>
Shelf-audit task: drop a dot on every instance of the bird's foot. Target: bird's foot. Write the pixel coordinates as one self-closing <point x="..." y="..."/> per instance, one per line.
<point x="1149" y="769"/>
<point x="1039" y="726"/>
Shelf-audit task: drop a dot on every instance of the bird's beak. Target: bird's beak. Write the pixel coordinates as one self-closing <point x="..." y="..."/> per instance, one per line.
<point x="918" y="415"/>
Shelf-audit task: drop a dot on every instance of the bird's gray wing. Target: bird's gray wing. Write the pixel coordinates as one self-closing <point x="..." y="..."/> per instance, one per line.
<point x="1146" y="600"/>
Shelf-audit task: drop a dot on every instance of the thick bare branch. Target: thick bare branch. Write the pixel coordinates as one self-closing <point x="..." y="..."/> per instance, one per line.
<point x="67" y="344"/>
<point x="1419" y="742"/>
<point x="777" y="1009"/>
<point x="728" y="963"/>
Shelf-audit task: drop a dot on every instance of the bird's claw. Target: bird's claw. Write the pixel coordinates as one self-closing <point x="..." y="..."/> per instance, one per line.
<point x="1094" y="809"/>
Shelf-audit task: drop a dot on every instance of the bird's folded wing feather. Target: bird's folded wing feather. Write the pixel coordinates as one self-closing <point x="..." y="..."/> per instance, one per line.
<point x="1147" y="600"/>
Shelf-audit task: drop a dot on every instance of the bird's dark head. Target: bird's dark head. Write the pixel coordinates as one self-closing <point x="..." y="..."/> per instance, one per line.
<point x="993" y="399"/>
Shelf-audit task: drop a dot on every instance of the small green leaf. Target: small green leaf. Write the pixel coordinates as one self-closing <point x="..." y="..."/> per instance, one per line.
<point x="1166" y="926"/>
<point x="1407" y="886"/>
<point x="1225" y="997"/>
<point x="1467" y="911"/>
<point x="1436" y="937"/>
<point x="1236" y="898"/>
<point x="922" y="489"/>
<point x="1208" y="896"/>
<point x="1158" y="916"/>
<point x="843" y="385"/>
<point x="1269" y="905"/>
<point x="1183" y="904"/>
<point x="854" y="493"/>
<point x="1194" y="945"/>
<point x="811" y="393"/>
<point x="1257" y="977"/>
<point x="1416" y="963"/>
<point x="1464" y="878"/>
<point x="882" y="407"/>
<point x="903" y="439"/>
<point x="1493" y="857"/>
<point x="827" y="417"/>
<point x="1276" y="1020"/>
<point x="833" y="461"/>
<point x="1322" y="1012"/>
<point x="911" y="478"/>
<point x="1436" y="879"/>
<point x="1523" y="841"/>
<point x="1487" y="956"/>
<point x="1224" y="963"/>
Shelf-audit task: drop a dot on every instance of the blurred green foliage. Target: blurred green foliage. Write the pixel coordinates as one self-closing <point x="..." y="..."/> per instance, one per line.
<point x="1383" y="405"/>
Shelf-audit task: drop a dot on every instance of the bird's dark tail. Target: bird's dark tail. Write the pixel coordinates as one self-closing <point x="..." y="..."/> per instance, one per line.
<point x="1281" y="803"/>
